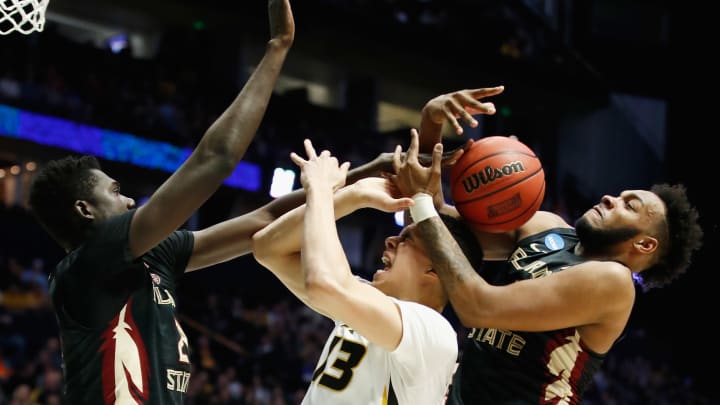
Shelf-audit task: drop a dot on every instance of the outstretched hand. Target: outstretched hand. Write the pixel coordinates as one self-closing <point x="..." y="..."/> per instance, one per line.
<point x="411" y="177"/>
<point x="282" y="23"/>
<point x="320" y="169"/>
<point x="461" y="104"/>
<point x="447" y="159"/>
<point x="383" y="164"/>
<point x="381" y="194"/>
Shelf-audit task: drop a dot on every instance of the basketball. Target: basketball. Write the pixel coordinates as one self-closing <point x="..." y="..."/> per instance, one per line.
<point x="497" y="184"/>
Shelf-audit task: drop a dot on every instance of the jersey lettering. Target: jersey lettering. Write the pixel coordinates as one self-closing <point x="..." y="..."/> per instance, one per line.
<point x="537" y="268"/>
<point x="505" y="340"/>
<point x="163" y="300"/>
<point x="177" y="380"/>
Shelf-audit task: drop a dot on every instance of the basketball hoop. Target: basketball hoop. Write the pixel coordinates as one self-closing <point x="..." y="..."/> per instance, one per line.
<point x="23" y="16"/>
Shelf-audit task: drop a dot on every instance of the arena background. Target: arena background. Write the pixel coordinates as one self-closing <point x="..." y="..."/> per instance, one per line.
<point x="603" y="90"/>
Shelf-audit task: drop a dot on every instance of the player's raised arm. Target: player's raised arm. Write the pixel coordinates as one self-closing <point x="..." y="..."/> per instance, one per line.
<point x="222" y="146"/>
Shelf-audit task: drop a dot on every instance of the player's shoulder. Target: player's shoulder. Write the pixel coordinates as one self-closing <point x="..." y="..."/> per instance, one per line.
<point x="608" y="281"/>
<point x="426" y="328"/>
<point x="543" y="222"/>
<point x="610" y="268"/>
<point x="423" y="314"/>
<point x="607" y="274"/>
<point x="362" y="280"/>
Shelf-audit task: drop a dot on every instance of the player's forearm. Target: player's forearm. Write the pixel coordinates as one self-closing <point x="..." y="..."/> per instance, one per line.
<point x="283" y="235"/>
<point x="229" y="136"/>
<point x="448" y="209"/>
<point x="460" y="280"/>
<point x="324" y="264"/>
<point x="343" y="205"/>
<point x="382" y="163"/>
<point x="430" y="132"/>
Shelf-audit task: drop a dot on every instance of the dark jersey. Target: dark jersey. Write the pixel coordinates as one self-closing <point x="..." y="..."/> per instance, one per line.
<point x="510" y="367"/>
<point x="121" y="341"/>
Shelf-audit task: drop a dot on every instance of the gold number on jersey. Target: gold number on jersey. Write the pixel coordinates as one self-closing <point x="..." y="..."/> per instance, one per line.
<point x="182" y="344"/>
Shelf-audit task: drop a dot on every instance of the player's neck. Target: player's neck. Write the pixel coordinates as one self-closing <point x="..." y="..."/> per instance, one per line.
<point x="607" y="255"/>
<point x="429" y="300"/>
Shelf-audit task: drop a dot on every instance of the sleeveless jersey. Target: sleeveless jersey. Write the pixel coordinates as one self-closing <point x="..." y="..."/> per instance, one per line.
<point x="121" y="342"/>
<point x="353" y="371"/>
<point x="510" y="367"/>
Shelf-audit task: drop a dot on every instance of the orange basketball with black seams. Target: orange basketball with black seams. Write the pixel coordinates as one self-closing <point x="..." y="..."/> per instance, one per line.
<point x="497" y="184"/>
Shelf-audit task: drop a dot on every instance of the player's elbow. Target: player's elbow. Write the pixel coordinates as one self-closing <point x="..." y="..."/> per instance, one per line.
<point x="215" y="159"/>
<point x="471" y="319"/>
<point x="322" y="292"/>
<point x="261" y="248"/>
<point x="224" y="164"/>
<point x="473" y="311"/>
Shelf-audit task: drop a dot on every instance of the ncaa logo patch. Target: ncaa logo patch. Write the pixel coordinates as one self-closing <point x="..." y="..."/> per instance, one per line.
<point x="554" y="241"/>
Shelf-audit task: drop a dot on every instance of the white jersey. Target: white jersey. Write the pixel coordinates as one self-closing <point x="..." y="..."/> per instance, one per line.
<point x="352" y="370"/>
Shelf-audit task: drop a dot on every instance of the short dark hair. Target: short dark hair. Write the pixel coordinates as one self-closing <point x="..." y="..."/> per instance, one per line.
<point x="682" y="234"/>
<point x="466" y="239"/>
<point x="55" y="188"/>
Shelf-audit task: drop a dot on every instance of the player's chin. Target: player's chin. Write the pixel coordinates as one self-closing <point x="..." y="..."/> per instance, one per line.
<point x="381" y="281"/>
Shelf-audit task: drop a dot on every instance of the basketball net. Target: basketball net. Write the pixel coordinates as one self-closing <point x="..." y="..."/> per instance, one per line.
<point x="23" y="16"/>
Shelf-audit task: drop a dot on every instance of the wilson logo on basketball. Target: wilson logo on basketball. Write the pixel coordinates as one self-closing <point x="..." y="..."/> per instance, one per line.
<point x="482" y="178"/>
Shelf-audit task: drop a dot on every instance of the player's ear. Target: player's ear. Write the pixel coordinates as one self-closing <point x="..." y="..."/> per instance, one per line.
<point x="432" y="273"/>
<point x="82" y="208"/>
<point x="646" y="245"/>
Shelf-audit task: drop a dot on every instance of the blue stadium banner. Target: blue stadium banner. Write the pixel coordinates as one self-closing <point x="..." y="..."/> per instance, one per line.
<point x="110" y="145"/>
